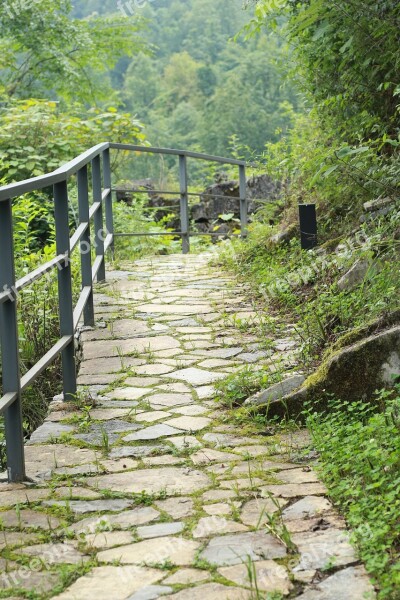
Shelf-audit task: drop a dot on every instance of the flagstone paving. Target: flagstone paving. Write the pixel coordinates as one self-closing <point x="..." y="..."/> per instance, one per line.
<point x="147" y="487"/>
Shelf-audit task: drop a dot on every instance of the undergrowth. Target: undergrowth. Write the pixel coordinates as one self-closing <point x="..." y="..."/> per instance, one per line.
<point x="360" y="463"/>
<point x="303" y="286"/>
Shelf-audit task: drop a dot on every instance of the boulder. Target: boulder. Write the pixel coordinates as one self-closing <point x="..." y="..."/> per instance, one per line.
<point x="377" y="208"/>
<point x="284" y="236"/>
<point x="276" y="391"/>
<point x="375" y="205"/>
<point x="126" y="191"/>
<point x="355" y="275"/>
<point x="262" y="188"/>
<point x="350" y="373"/>
<point x="222" y="198"/>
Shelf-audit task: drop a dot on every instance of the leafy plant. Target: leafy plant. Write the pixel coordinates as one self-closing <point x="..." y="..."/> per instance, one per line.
<point x="360" y="450"/>
<point x="237" y="387"/>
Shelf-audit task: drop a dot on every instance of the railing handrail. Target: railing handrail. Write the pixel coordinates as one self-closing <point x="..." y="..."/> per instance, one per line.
<point x="69" y="315"/>
<point x="12" y="190"/>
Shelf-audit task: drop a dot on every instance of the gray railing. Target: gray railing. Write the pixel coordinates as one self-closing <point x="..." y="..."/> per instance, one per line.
<point x="98" y="158"/>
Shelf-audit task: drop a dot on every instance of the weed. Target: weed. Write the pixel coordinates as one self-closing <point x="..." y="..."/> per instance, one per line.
<point x="105" y="442"/>
<point x="276" y="525"/>
<point x="237" y="387"/>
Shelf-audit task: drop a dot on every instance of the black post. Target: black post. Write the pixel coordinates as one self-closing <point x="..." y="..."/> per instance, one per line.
<point x="308" y="226"/>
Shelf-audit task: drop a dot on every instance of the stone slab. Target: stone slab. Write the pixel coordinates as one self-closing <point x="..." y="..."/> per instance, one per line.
<point x="188" y="423"/>
<point x="107" y="365"/>
<point x="322" y="548"/>
<point x="295" y="490"/>
<point x="28" y="519"/>
<point x="176" y="550"/>
<point x="184" y="442"/>
<point x="127" y="393"/>
<point x="55" y="554"/>
<point x="81" y="507"/>
<point x="235" y="549"/>
<point x="255" y="512"/>
<point x="216" y="525"/>
<point x="191" y="411"/>
<point x="137" y="451"/>
<point x="124" y="520"/>
<point x="103" y="540"/>
<point x="103" y="583"/>
<point x="164" y="400"/>
<point x="152" y="416"/>
<point x="154" y="432"/>
<point x="211" y="591"/>
<point x="349" y="583"/>
<point x="196" y="377"/>
<point x="154" y="369"/>
<point x="175" y="309"/>
<point x="151" y="592"/>
<point x="124" y="347"/>
<point x="205" y="391"/>
<point x="177" y="508"/>
<point x="270" y="576"/>
<point x="42" y="582"/>
<point x="207" y="456"/>
<point x="159" y="530"/>
<point x="307" y="508"/>
<point x="48" y="432"/>
<point x="10" y="539"/>
<point x="187" y="577"/>
<point x="142" y="381"/>
<point x="171" y="480"/>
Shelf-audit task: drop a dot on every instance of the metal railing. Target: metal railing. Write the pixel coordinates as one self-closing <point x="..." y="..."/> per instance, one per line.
<point x="98" y="158"/>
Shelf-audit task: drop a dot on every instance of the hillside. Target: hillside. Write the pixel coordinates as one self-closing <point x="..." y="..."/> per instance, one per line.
<point x="195" y="87"/>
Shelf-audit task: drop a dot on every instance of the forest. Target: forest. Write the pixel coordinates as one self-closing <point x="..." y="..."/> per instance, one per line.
<point x="308" y="92"/>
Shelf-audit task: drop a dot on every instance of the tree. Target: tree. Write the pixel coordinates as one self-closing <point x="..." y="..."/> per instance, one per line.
<point x="46" y="53"/>
<point x="141" y="85"/>
<point x="180" y="81"/>
<point x="250" y="101"/>
<point x="347" y="61"/>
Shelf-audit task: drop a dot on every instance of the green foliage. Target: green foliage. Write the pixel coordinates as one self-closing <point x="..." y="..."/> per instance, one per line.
<point x="44" y="52"/>
<point x="348" y="58"/>
<point x="360" y="450"/>
<point x="200" y="88"/>
<point x="345" y="60"/>
<point x="132" y="219"/>
<point x="37" y="137"/>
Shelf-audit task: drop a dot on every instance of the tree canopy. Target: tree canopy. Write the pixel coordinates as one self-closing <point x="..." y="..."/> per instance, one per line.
<point x="196" y="86"/>
<point x="46" y="53"/>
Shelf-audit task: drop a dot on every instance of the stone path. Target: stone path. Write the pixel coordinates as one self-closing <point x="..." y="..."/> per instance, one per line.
<point x="150" y="488"/>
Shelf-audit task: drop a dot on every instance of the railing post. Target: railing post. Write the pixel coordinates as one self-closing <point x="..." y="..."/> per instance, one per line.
<point x="243" y="200"/>
<point x="184" y="204"/>
<point x="9" y="348"/>
<point x="98" y="217"/>
<point x="65" y="289"/>
<point x="108" y="199"/>
<point x="85" y="245"/>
